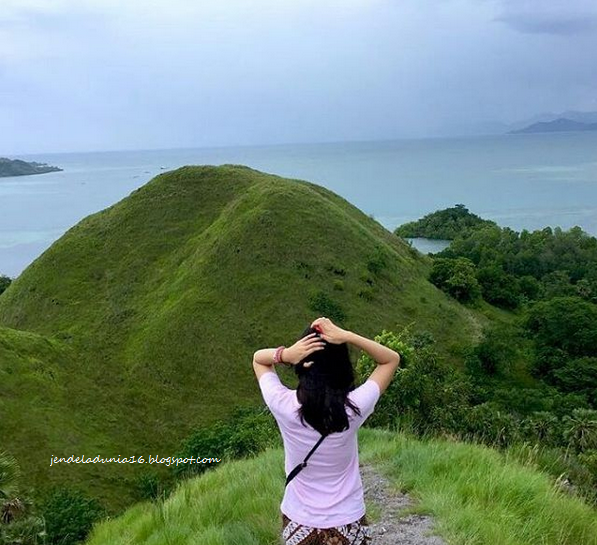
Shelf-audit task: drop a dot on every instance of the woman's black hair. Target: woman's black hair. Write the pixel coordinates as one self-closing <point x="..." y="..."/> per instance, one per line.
<point x="324" y="386"/>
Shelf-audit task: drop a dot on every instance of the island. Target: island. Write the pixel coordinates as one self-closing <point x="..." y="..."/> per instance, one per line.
<point x="16" y="167"/>
<point x="444" y="224"/>
<point x="561" y="124"/>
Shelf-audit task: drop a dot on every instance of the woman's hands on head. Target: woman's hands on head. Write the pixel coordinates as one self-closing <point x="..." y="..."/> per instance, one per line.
<point x="329" y="331"/>
<point x="302" y="348"/>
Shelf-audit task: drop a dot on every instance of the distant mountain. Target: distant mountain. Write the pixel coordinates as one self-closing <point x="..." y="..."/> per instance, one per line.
<point x="471" y="127"/>
<point x="561" y="124"/>
<point x="16" y="167"/>
<point x="573" y="115"/>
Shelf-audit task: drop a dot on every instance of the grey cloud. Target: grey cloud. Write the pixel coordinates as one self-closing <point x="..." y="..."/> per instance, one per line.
<point x="538" y="24"/>
<point x="94" y="75"/>
<point x="549" y="16"/>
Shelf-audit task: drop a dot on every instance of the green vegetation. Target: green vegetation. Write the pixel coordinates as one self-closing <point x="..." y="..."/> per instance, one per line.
<point x="532" y="377"/>
<point x="69" y="516"/>
<point x="516" y="268"/>
<point x="133" y="335"/>
<point x="477" y="495"/>
<point x="138" y="325"/>
<point x="4" y="283"/>
<point x="498" y="400"/>
<point x="444" y="224"/>
<point x="16" y="167"/>
<point x="19" y="525"/>
<point x="457" y="278"/>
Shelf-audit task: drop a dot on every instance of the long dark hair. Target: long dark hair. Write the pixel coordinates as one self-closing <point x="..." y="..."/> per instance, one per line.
<point x="324" y="386"/>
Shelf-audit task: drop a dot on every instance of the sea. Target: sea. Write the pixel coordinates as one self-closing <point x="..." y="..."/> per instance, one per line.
<point x="524" y="181"/>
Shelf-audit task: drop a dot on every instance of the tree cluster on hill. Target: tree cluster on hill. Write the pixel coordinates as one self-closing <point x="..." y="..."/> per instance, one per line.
<point x="533" y="378"/>
<point x="443" y="224"/>
<point x="513" y="268"/>
<point x="495" y="399"/>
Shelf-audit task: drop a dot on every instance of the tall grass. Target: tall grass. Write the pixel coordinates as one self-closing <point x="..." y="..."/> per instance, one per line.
<point x="235" y="503"/>
<point x="478" y="496"/>
<point x="481" y="496"/>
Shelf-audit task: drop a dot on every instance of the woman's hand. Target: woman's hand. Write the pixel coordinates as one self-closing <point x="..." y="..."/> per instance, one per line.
<point x="329" y="331"/>
<point x="302" y="348"/>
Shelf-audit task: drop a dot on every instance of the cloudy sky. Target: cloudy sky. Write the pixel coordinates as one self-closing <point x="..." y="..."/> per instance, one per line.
<point x="80" y="75"/>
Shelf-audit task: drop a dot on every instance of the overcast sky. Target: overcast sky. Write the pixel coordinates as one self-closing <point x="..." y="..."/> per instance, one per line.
<point x="81" y="75"/>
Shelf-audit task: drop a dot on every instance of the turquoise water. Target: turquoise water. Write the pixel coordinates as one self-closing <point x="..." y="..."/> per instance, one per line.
<point x="523" y="181"/>
<point x="427" y="245"/>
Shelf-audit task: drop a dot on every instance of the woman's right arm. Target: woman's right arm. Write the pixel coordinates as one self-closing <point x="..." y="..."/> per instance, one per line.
<point x="387" y="359"/>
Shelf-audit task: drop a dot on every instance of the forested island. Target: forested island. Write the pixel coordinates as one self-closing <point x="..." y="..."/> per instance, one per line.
<point x="443" y="224"/>
<point x="17" y="167"/>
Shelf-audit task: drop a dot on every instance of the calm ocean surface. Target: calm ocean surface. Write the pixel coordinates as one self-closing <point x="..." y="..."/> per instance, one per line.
<point x="522" y="181"/>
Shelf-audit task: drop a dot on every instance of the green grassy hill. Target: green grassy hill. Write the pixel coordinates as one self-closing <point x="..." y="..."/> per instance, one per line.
<point x="476" y="495"/>
<point x="143" y="317"/>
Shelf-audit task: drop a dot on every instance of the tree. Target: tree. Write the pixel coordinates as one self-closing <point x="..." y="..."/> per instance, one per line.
<point x="11" y="506"/>
<point x="565" y="323"/>
<point x="578" y="375"/>
<point x="456" y="277"/>
<point x="4" y="283"/>
<point x="17" y="525"/>
<point x="426" y="392"/>
<point x="498" y="287"/>
<point x="580" y="429"/>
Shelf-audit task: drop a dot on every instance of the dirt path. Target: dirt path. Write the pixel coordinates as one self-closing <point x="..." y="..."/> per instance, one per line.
<point x="394" y="529"/>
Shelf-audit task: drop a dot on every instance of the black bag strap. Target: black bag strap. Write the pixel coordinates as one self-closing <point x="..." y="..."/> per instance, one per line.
<point x="299" y="467"/>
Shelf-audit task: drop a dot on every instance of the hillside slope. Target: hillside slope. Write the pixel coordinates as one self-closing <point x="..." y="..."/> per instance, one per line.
<point x="476" y="495"/>
<point x="163" y="297"/>
<point x="42" y="404"/>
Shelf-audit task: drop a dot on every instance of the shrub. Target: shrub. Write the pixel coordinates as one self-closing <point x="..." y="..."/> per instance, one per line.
<point x="543" y="427"/>
<point x="378" y="261"/>
<point x="247" y="432"/>
<point x="336" y="269"/>
<point x="366" y="293"/>
<point x="491" y="425"/>
<point x="426" y="393"/>
<point x="149" y="486"/>
<point x="580" y="429"/>
<point x="321" y="303"/>
<point x="26" y="530"/>
<point x="69" y="516"/>
<point x="496" y="351"/>
<point x="338" y="284"/>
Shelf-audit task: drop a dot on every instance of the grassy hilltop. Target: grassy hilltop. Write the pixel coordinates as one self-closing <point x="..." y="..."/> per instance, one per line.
<point x="478" y="496"/>
<point x="138" y="325"/>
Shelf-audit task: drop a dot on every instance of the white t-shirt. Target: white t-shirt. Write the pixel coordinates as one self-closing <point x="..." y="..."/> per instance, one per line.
<point x="328" y="491"/>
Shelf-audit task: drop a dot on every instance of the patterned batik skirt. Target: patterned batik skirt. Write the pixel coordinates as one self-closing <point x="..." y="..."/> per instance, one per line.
<point x="355" y="533"/>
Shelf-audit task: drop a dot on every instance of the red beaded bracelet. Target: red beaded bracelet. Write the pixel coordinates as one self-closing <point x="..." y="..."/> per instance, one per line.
<point x="278" y="354"/>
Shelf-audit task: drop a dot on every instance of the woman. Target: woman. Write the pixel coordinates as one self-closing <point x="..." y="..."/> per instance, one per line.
<point x="323" y="503"/>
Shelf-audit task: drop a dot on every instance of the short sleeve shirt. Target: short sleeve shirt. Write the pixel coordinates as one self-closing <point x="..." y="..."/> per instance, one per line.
<point x="328" y="491"/>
